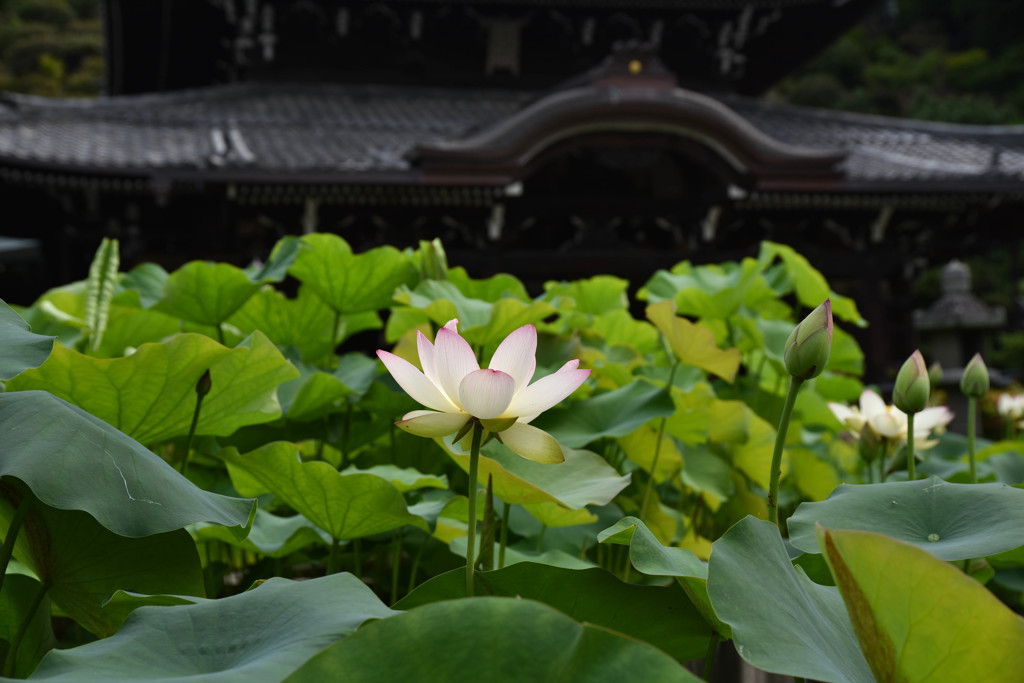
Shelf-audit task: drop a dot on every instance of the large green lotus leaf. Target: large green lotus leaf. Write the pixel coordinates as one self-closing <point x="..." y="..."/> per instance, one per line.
<point x="130" y="327"/>
<point x="148" y="280"/>
<point x="403" y="478"/>
<point x="282" y="256"/>
<point x="585" y="478"/>
<point x="951" y="521"/>
<point x="693" y="343"/>
<point x="16" y="600"/>
<point x="918" y="618"/>
<point x="122" y="603"/>
<point x="83" y="563"/>
<point x="492" y="288"/>
<point x="481" y="323"/>
<point x="709" y="474"/>
<point x="814" y="477"/>
<point x="74" y="461"/>
<point x="316" y="393"/>
<point x="305" y="322"/>
<point x="488" y="639"/>
<point x="690" y="420"/>
<point x="595" y="295"/>
<point x="270" y="535"/>
<point x="151" y="394"/>
<point x="659" y="615"/>
<point x="712" y="291"/>
<point x="810" y="285"/>
<point x="618" y="327"/>
<point x="206" y="293"/>
<point x="262" y="634"/>
<point x="346" y="506"/>
<point x="21" y="348"/>
<point x="650" y="557"/>
<point x="347" y="282"/>
<point x="781" y="621"/>
<point x="615" y="413"/>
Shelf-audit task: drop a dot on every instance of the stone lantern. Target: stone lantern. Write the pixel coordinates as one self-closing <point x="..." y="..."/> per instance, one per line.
<point x="954" y="328"/>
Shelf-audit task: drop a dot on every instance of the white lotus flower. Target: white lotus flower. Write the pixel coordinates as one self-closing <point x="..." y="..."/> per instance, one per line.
<point x="889" y="421"/>
<point x="458" y="390"/>
<point x="1011" y="406"/>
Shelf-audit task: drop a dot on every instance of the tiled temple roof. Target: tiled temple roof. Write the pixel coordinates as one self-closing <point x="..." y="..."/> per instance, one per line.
<point x="326" y="133"/>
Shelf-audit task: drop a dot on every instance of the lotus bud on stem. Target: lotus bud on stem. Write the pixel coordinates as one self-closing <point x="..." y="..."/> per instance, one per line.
<point x="203" y="387"/>
<point x="974" y="383"/>
<point x="806" y="353"/>
<point x="910" y="394"/>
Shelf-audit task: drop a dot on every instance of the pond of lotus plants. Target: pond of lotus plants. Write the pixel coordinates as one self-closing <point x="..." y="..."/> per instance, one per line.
<point x="279" y="472"/>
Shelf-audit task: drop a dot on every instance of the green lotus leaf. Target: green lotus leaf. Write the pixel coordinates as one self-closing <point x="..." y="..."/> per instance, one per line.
<point x="151" y="394"/>
<point x="491" y="289"/>
<point x="305" y="322"/>
<point x="481" y="323"/>
<point x="130" y="327"/>
<point x="403" y="478"/>
<point x="615" y="413"/>
<point x="711" y="291"/>
<point x="650" y="557"/>
<point x="262" y="634"/>
<point x="205" y="293"/>
<point x="346" y="506"/>
<point x="270" y="535"/>
<point x="951" y="521"/>
<point x="781" y="621"/>
<point x="618" y="327"/>
<point x="347" y="282"/>
<point x="810" y="285"/>
<point x="316" y="393"/>
<point x="282" y="256"/>
<point x="21" y="348"/>
<point x="585" y="478"/>
<point x="921" y="619"/>
<point x="16" y="600"/>
<point x="122" y="603"/>
<point x="148" y="280"/>
<point x="659" y="615"/>
<point x="74" y="461"/>
<point x="595" y="295"/>
<point x="497" y="638"/>
<point x="83" y="563"/>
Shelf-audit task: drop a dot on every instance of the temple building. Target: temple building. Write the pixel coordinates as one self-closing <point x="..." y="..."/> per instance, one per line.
<point x="547" y="138"/>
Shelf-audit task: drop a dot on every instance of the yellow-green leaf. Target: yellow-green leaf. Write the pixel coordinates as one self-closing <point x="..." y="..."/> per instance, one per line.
<point x="693" y="343"/>
<point x="921" y="619"/>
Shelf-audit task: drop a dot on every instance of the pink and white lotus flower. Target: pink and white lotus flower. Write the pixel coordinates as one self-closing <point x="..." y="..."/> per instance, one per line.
<point x="889" y="421"/>
<point x="500" y="396"/>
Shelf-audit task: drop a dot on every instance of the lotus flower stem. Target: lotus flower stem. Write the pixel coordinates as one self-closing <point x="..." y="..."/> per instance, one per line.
<point x="12" y="533"/>
<point x="396" y="541"/>
<point x="474" y="466"/>
<point x="911" y="459"/>
<point x="780" y="441"/>
<point x="332" y="559"/>
<point x="709" y="658"/>
<point x="972" y="408"/>
<point x="657" y="443"/>
<point x="22" y="629"/>
<point x="504" y="534"/>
